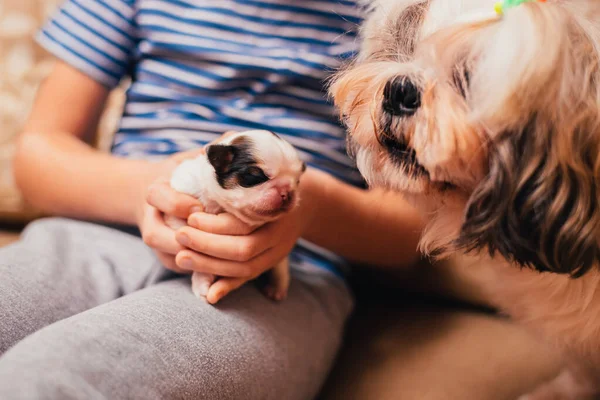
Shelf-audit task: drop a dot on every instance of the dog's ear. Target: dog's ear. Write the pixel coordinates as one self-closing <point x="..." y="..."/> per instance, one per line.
<point x="229" y="160"/>
<point x="538" y="206"/>
<point x="220" y="157"/>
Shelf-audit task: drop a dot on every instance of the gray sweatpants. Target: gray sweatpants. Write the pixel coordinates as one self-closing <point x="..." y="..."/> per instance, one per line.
<point x="87" y="312"/>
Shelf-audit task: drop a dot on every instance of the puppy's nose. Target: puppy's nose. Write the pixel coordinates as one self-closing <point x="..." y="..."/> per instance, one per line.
<point x="286" y="199"/>
<point x="401" y="97"/>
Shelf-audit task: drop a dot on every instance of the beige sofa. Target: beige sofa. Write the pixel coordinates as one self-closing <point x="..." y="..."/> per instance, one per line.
<point x="23" y="66"/>
<point x="407" y="340"/>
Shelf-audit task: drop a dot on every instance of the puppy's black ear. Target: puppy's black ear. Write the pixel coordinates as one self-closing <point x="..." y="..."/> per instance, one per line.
<point x="221" y="157"/>
<point x="538" y="207"/>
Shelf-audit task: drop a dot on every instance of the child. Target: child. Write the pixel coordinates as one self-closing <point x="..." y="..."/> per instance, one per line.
<point x="92" y="311"/>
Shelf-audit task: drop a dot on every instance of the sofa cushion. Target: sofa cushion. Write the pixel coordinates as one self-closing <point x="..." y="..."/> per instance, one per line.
<point x="23" y="66"/>
<point x="416" y="348"/>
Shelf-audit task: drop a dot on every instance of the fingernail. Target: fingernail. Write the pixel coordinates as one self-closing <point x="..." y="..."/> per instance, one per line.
<point x="196" y="209"/>
<point x="194" y="220"/>
<point x="183" y="239"/>
<point x="186" y="263"/>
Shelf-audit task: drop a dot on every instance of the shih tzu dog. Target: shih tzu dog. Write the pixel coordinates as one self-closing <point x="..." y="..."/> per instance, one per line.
<point x="252" y="175"/>
<point x="487" y="116"/>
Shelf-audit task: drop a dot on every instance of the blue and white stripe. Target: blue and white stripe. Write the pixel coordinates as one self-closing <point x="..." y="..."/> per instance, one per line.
<point x="202" y="67"/>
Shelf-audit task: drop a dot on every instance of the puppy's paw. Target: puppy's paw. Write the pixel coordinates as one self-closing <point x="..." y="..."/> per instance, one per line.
<point x="201" y="283"/>
<point x="275" y="293"/>
<point x="279" y="281"/>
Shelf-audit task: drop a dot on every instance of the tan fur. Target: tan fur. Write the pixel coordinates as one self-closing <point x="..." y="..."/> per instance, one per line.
<point x="510" y="121"/>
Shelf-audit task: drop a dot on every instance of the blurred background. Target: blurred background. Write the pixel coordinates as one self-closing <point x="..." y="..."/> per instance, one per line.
<point x="23" y="67"/>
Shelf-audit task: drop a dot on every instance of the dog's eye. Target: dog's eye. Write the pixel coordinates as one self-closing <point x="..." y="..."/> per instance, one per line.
<point x="252" y="176"/>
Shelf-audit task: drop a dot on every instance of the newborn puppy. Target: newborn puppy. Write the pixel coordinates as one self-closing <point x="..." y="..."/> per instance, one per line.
<point x="252" y="175"/>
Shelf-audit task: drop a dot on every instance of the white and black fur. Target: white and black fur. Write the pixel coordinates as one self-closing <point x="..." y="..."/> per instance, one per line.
<point x="253" y="175"/>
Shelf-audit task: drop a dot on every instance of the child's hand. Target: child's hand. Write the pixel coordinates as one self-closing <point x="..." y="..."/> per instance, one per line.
<point x="227" y="247"/>
<point x="159" y="199"/>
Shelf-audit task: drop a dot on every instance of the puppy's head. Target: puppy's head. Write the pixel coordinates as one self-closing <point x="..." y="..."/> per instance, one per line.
<point x="492" y="124"/>
<point x="257" y="174"/>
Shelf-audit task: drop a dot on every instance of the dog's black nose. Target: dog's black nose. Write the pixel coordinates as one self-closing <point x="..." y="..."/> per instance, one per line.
<point x="401" y="97"/>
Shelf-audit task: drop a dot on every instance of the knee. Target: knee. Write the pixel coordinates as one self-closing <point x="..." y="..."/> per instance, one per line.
<point x="53" y="234"/>
<point x="50" y="228"/>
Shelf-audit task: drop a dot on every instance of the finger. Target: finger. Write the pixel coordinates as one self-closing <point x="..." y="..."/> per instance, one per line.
<point x="157" y="235"/>
<point x="190" y="260"/>
<point x="168" y="261"/>
<point x="222" y="288"/>
<point x="233" y="248"/>
<point x="163" y="197"/>
<point x="193" y="261"/>
<point x="220" y="224"/>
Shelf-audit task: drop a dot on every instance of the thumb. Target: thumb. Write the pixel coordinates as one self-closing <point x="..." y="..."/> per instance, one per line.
<point x="222" y="288"/>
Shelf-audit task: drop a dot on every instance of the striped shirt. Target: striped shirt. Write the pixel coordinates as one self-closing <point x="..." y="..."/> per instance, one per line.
<point x="199" y="68"/>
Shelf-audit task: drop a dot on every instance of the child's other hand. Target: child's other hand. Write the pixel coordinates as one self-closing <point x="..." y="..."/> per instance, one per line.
<point x="227" y="247"/>
<point x="158" y="200"/>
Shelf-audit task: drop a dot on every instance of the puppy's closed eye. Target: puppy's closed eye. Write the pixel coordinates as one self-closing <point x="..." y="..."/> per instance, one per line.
<point x="461" y="80"/>
<point x="252" y="176"/>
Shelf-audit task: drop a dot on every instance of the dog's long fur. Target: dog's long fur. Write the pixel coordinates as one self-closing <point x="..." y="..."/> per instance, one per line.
<point x="503" y="152"/>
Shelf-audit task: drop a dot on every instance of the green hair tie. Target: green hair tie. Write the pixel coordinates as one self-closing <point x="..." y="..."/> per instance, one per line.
<point x="501" y="6"/>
